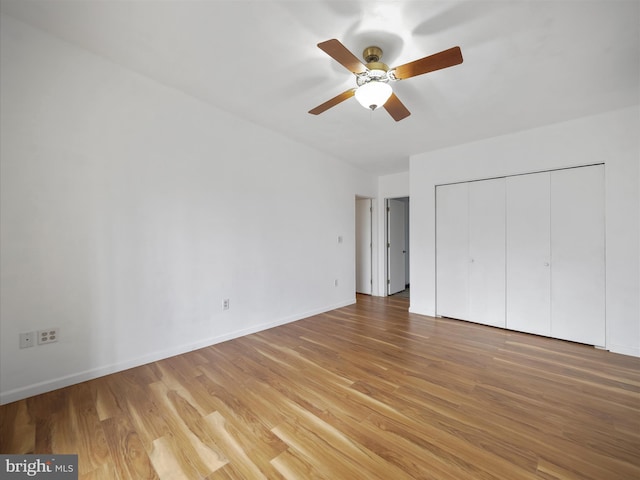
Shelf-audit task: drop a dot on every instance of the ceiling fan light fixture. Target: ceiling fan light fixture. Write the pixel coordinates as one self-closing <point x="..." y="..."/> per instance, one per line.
<point x="373" y="94"/>
<point x="372" y="79"/>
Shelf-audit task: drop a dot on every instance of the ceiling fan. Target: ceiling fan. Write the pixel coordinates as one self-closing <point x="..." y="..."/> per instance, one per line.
<point x="373" y="77"/>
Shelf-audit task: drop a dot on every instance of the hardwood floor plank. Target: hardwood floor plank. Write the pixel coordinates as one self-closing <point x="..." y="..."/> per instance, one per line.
<point x="365" y="391"/>
<point x="146" y="417"/>
<point x="104" y="472"/>
<point x="413" y="459"/>
<point x="17" y="429"/>
<point x="194" y="445"/>
<point x="169" y="461"/>
<point x="479" y="460"/>
<point x="315" y="444"/>
<point x="107" y="404"/>
<point x="127" y="451"/>
<point x="184" y="386"/>
<point x="237" y="452"/>
<point x="293" y="467"/>
<point x="258" y="417"/>
<point x="91" y="443"/>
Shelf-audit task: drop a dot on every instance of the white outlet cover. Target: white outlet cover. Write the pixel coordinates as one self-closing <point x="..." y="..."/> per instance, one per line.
<point x="27" y="339"/>
<point x="49" y="335"/>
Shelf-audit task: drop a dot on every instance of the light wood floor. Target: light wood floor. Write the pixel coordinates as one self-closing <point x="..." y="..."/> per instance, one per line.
<point x="364" y="392"/>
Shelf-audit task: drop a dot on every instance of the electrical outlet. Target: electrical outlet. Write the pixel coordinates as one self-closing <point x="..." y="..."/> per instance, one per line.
<point x="27" y="339"/>
<point x="225" y="304"/>
<point x="49" y="335"/>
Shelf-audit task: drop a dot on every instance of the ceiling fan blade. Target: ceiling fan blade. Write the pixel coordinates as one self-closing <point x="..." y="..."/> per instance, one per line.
<point x="396" y="108"/>
<point x="438" y="61"/>
<point x="333" y="102"/>
<point x="340" y="54"/>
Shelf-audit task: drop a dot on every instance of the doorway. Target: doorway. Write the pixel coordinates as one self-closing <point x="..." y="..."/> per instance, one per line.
<point x="364" y="245"/>
<point x="397" y="251"/>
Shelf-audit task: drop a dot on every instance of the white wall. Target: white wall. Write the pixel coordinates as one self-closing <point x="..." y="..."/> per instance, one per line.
<point x="611" y="138"/>
<point x="130" y="210"/>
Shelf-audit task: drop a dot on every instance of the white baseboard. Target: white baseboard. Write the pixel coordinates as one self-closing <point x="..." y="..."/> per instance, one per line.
<point x="633" y="352"/>
<point x="78" y="377"/>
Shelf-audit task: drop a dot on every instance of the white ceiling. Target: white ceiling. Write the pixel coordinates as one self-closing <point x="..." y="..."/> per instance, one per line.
<point x="526" y="63"/>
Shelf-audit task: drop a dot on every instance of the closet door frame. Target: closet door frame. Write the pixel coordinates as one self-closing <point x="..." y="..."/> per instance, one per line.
<point x="535" y="296"/>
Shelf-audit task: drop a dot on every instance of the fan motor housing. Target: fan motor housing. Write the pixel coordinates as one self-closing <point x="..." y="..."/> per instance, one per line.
<point x="372" y="54"/>
<point x="377" y="66"/>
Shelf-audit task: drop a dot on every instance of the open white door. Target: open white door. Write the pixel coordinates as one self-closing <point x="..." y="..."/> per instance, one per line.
<point x="395" y="246"/>
<point x="363" y="245"/>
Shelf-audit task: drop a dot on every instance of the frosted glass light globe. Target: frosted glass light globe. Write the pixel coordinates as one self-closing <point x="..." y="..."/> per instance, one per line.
<point x="373" y="94"/>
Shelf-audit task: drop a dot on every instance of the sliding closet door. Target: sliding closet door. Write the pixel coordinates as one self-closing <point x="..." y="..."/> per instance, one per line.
<point x="525" y="252"/>
<point x="577" y="249"/>
<point x="487" y="252"/>
<point x="452" y="251"/>
<point x="528" y="253"/>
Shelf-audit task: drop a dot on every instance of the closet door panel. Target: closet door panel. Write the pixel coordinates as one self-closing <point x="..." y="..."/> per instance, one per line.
<point x="487" y="252"/>
<point x="528" y="253"/>
<point x="577" y="254"/>
<point x="452" y="251"/>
